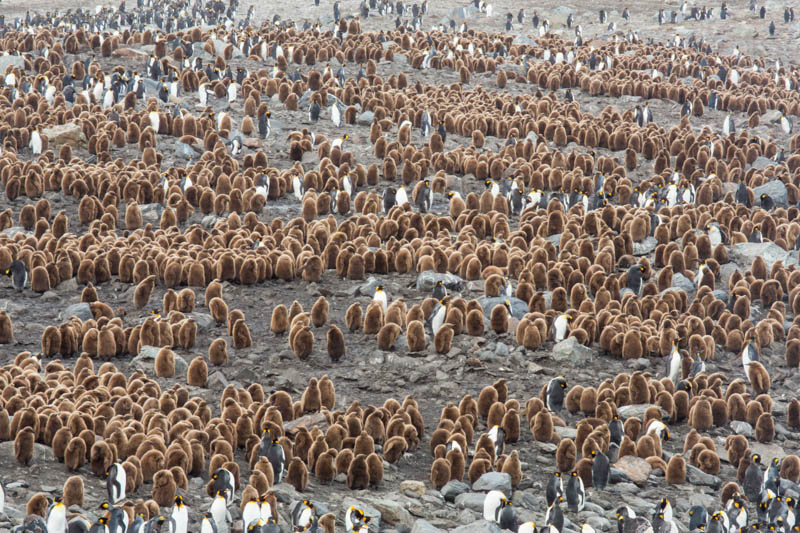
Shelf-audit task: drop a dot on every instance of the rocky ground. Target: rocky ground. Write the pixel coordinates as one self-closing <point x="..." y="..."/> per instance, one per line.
<point x="406" y="501"/>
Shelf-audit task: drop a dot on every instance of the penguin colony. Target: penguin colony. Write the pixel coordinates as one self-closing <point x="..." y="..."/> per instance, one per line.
<point x="178" y="183"/>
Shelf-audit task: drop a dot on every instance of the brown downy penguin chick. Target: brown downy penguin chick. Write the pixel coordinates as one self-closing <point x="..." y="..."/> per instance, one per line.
<point x="765" y="428"/>
<point x="676" y="470"/>
<point x="513" y="467"/>
<point x="353" y="317"/>
<point x="477" y="468"/>
<point x="387" y="335"/>
<point x="312" y="399"/>
<point x="218" y="310"/>
<point x="197" y="374"/>
<point x="375" y="470"/>
<point x="327" y="392"/>
<point x="214" y="290"/>
<point x="303" y="343"/>
<point x="443" y="339"/>
<point x="75" y="454"/>
<point x="793" y="414"/>
<point x="23" y="446"/>
<point x="415" y="335"/>
<point x="440" y="473"/>
<point x="319" y="312"/>
<point x="325" y="467"/>
<point x="165" y="363"/>
<point x="335" y="344"/>
<point x="457" y="464"/>
<point x="474" y="323"/>
<point x="279" y="323"/>
<point x="542" y="427"/>
<point x="164" y="488"/>
<point x="73" y="491"/>
<point x="6" y="328"/>
<point x="141" y="295"/>
<point x="297" y="475"/>
<point x="759" y="378"/>
<point x="487" y="397"/>
<point x="566" y="454"/>
<point x="37" y="505"/>
<point x="708" y="462"/>
<point x="218" y="352"/>
<point x="358" y="473"/>
<point x="394" y="448"/>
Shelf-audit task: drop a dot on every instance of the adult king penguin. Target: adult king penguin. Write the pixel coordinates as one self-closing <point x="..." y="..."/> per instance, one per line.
<point x="115" y="483"/>
<point x="556" y="390"/>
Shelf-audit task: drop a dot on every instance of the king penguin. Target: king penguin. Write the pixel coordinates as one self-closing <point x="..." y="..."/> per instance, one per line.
<point x="554" y="489"/>
<point x="219" y="510"/>
<point x="273" y="451"/>
<point x="576" y="495"/>
<point x="180" y="515"/>
<point x="424" y="197"/>
<point x="380" y="297"/>
<point x="115" y="483"/>
<point x="600" y="469"/>
<point x="224" y="481"/>
<point x="303" y="514"/>
<point x="556" y="390"/>
<point x="439" y="290"/>
<point x="749" y="353"/>
<point x="18" y="274"/>
<point x="497" y="435"/>
<point x="492" y="503"/>
<point x="674" y="363"/>
<point x="753" y="481"/>
<point x="208" y="525"/>
<point x="57" y="516"/>
<point x="35" y="143"/>
<point x="354" y="518"/>
<point x="251" y="512"/>
<point x="561" y="327"/>
<point x="635" y="278"/>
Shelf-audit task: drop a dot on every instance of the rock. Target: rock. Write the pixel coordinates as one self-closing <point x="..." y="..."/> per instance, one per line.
<point x="209" y="221"/>
<point x="70" y="134"/>
<point x="464" y="12"/>
<point x="776" y="190"/>
<point x="767" y="451"/>
<point x="637" y="411"/>
<point x="254" y="143"/>
<point x="129" y="53"/>
<point x="761" y="163"/>
<point x="50" y="296"/>
<point x="695" y="476"/>
<point x="742" y="428"/>
<point x="679" y="281"/>
<point x="365" y="118"/>
<point x="309" y="422"/>
<point x="220" y="46"/>
<point x="452" y="489"/>
<point x="726" y="271"/>
<point x="772" y="115"/>
<point x="423" y="526"/>
<point x="479" y="526"/>
<point x="151" y="213"/>
<point x="14" y="230"/>
<point x="645" y="247"/>
<point x="493" y="481"/>
<point x="81" y="310"/>
<point x="14" y="61"/>
<point x="744" y="253"/>
<point x="427" y="280"/>
<point x="369" y="510"/>
<point x="571" y="350"/>
<point x="470" y="500"/>
<point x="566" y="432"/>
<point x="392" y="511"/>
<point x="414" y="487"/>
<point x="636" y="468"/>
<point x="518" y="308"/>
<point x="203" y="320"/>
<point x="523" y="40"/>
<point x="41" y="454"/>
<point x="564" y="11"/>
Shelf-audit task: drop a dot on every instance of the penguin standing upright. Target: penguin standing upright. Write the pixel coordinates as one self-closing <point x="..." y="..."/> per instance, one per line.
<point x="600" y="469"/>
<point x="616" y="430"/>
<point x="401" y="197"/>
<point x="555" y="516"/>
<point x="439" y="290"/>
<point x="389" y="198"/>
<point x="753" y="481"/>
<point x="492" y="504"/>
<point x="115" y="483"/>
<point x="554" y="489"/>
<point x="35" y="144"/>
<point x="497" y="435"/>
<point x="101" y="526"/>
<point x="118" y="521"/>
<point x="208" y="524"/>
<point x="674" y="363"/>
<point x="561" y="327"/>
<point x="225" y="484"/>
<point x="698" y="518"/>
<point x="380" y="297"/>
<point x="264" y="125"/>
<point x="273" y="451"/>
<point x="576" y="495"/>
<point x="749" y="353"/>
<point x="180" y="514"/>
<point x="219" y="510"/>
<point x="556" y="389"/>
<point x="57" y="516"/>
<point x="505" y="516"/>
<point x="728" y="126"/>
<point x="786" y="124"/>
<point x="314" y="109"/>
<point x="354" y="518"/>
<point x="698" y="365"/>
<point x="299" y="188"/>
<point x="424" y="197"/>
<point x="635" y="278"/>
<point x="439" y="314"/>
<point x="18" y="274"/>
<point x="303" y="514"/>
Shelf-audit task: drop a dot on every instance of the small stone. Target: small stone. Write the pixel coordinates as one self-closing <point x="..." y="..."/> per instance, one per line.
<point x="470" y="500"/>
<point x="423" y="526"/>
<point x="493" y="481"/>
<point x="203" y="320"/>
<point x="645" y="247"/>
<point x="70" y="134"/>
<point x="636" y="468"/>
<point x="415" y="487"/>
<point x="49" y="296"/>
<point x="571" y="350"/>
<point x="81" y="310"/>
<point x="501" y="349"/>
<point x="637" y="411"/>
<point x="695" y="476"/>
<point x="479" y="526"/>
<point x="742" y="428"/>
<point x="452" y="489"/>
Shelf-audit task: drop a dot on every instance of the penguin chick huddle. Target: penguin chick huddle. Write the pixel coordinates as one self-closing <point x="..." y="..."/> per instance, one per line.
<point x="199" y="197"/>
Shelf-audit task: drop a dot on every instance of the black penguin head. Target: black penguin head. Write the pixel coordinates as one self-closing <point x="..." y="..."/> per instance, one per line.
<point x="179" y="500"/>
<point x="104" y="505"/>
<point x="756" y="458"/>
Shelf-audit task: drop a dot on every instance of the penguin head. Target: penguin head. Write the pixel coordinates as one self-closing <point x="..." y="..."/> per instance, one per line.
<point x="179" y="500"/>
<point x="776" y="461"/>
<point x="379" y="288"/>
<point x="103" y="520"/>
<point x="755" y="458"/>
<point x="157" y="314"/>
<point x="58" y="500"/>
<point x="507" y="303"/>
<point x="105" y="506"/>
<point x="488" y="183"/>
<point x="445" y="301"/>
<point x="574" y="474"/>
